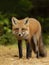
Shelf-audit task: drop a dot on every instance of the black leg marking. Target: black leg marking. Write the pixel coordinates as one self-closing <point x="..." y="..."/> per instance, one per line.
<point x="20" y="48"/>
<point x="37" y="54"/>
<point x="28" y="50"/>
<point x="33" y="45"/>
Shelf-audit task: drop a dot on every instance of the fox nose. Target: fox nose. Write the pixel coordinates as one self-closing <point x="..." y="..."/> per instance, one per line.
<point x="19" y="34"/>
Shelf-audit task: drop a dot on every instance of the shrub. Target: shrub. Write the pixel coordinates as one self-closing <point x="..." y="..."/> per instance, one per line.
<point x="7" y="39"/>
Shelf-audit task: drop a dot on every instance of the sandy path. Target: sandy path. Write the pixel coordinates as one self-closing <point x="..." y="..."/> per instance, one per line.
<point x="9" y="56"/>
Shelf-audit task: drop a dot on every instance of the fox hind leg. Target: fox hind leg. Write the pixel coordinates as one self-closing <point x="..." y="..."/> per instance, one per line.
<point x="34" y="45"/>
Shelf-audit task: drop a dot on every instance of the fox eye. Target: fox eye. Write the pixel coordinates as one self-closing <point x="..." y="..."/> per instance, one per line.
<point x="17" y="29"/>
<point x="23" y="29"/>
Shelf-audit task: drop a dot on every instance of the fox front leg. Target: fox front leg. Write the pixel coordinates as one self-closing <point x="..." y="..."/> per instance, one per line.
<point x="28" y="49"/>
<point x="20" y="48"/>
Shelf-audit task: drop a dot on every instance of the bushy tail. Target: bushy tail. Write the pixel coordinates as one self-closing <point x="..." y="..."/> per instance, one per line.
<point x="42" y="49"/>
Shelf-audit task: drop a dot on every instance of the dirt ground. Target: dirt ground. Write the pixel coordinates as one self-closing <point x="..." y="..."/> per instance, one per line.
<point x="9" y="56"/>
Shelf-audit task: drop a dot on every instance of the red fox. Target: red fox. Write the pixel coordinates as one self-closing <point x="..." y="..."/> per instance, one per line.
<point x="29" y="29"/>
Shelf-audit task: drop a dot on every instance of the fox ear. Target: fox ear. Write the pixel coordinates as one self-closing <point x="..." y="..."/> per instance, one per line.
<point x="26" y="20"/>
<point x="14" y="20"/>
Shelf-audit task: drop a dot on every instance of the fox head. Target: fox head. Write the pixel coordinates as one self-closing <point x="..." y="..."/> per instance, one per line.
<point x="20" y="28"/>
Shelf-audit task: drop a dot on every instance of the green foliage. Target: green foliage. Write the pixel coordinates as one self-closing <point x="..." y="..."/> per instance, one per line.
<point x="5" y="25"/>
<point x="46" y="39"/>
<point x="6" y="36"/>
<point x="8" y="39"/>
<point x="45" y="24"/>
<point x="23" y="7"/>
<point x="19" y="7"/>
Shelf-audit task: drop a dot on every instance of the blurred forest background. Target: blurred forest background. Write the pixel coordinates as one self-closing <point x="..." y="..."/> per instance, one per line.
<point x="38" y="9"/>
